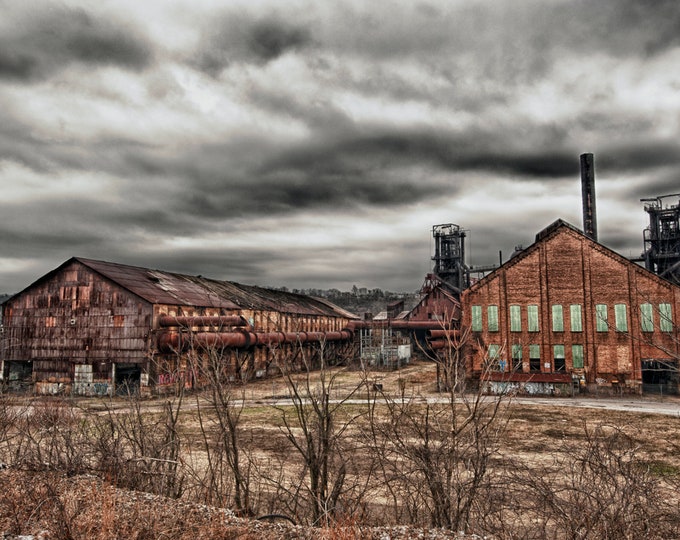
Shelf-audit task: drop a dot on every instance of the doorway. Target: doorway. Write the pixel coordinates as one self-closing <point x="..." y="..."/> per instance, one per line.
<point x="127" y="379"/>
<point x="660" y="376"/>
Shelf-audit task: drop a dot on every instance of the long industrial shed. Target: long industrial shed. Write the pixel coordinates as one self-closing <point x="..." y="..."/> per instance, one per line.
<point x="96" y="328"/>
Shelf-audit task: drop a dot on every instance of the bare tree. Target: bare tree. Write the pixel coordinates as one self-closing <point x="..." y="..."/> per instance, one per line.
<point x="219" y="410"/>
<point x="599" y="487"/>
<point x="435" y="455"/>
<point x="318" y="426"/>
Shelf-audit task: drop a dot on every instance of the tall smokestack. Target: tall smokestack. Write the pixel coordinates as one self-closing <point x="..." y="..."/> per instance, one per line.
<point x="588" y="196"/>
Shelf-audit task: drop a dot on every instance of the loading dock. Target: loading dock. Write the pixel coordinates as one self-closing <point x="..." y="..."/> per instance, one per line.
<point x="660" y="376"/>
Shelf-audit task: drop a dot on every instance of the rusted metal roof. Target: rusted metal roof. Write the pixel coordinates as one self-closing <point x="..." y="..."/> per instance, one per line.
<point x="160" y="287"/>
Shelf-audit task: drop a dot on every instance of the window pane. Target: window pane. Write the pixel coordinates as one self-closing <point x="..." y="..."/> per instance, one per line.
<point x="601" y="317"/>
<point x="517" y="358"/>
<point x="515" y="319"/>
<point x="577" y="356"/>
<point x="576" y="319"/>
<point x="621" y="318"/>
<point x="558" y="355"/>
<point x="557" y="318"/>
<point x="647" y="318"/>
<point x="534" y="358"/>
<point x="665" y="318"/>
<point x="532" y="316"/>
<point x="492" y="312"/>
<point x="495" y="362"/>
<point x="476" y="318"/>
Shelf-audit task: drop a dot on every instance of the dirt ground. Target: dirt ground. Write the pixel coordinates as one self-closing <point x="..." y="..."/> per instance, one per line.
<point x="535" y="430"/>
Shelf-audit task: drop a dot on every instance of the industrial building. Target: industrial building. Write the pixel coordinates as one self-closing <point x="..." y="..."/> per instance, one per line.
<point x="95" y="328"/>
<point x="566" y="314"/>
<point x="567" y="310"/>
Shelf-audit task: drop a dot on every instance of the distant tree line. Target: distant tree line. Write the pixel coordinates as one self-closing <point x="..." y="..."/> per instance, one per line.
<point x="360" y="299"/>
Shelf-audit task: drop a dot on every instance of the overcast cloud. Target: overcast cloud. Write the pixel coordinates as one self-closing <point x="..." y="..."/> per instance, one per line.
<point x="315" y="144"/>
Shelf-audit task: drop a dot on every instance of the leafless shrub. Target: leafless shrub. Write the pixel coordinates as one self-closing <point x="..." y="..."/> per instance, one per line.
<point x="51" y="435"/>
<point x="138" y="449"/>
<point x="226" y="478"/>
<point x="598" y="487"/>
<point x="435" y="456"/>
<point x="318" y="429"/>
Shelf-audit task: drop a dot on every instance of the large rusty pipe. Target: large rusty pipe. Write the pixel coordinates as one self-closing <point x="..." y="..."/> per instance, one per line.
<point x="188" y="322"/>
<point x="418" y="325"/>
<point x="173" y="341"/>
<point x="356" y="325"/>
<point x="224" y="340"/>
<point x="451" y="334"/>
<point x="437" y="344"/>
<point x="169" y="341"/>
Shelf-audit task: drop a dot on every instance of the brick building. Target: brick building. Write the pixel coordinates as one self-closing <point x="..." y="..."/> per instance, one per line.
<point x="568" y="313"/>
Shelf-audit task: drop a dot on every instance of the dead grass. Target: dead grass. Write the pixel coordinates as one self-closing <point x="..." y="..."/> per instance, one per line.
<point x="87" y="507"/>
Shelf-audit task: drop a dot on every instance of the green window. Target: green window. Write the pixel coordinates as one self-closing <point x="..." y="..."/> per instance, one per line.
<point x="557" y="318"/>
<point x="621" y="318"/>
<point x="665" y="318"/>
<point x="647" y="317"/>
<point x="534" y="358"/>
<point x="532" y="318"/>
<point x="492" y="315"/>
<point x="476" y="318"/>
<point x="517" y="357"/>
<point x="576" y="318"/>
<point x="495" y="362"/>
<point x="515" y="319"/>
<point x="577" y="356"/>
<point x="558" y="356"/>
<point x="601" y="318"/>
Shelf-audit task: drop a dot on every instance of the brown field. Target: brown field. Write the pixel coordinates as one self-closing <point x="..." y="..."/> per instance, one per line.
<point x="69" y="476"/>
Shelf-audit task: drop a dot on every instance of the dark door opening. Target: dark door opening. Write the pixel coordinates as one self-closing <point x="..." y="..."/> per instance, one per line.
<point x="660" y="377"/>
<point x="127" y="380"/>
<point x="19" y="375"/>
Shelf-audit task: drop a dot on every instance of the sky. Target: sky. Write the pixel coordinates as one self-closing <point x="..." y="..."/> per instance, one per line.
<point x="314" y="144"/>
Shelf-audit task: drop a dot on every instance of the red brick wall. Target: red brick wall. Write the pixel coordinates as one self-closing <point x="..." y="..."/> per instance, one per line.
<point x="567" y="268"/>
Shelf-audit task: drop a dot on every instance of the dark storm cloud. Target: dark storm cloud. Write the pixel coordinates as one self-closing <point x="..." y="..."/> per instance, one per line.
<point x="470" y="151"/>
<point x="250" y="266"/>
<point x="21" y="143"/>
<point x="270" y="39"/>
<point x="38" y="45"/>
<point x="236" y="38"/>
<point x="641" y="155"/>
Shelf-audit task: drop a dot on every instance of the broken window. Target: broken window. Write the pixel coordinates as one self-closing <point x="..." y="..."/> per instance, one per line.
<point x="515" y="319"/>
<point x="577" y="356"/>
<point x="557" y="318"/>
<point x="494" y="358"/>
<point x="492" y="322"/>
<point x="532" y="318"/>
<point x="665" y="318"/>
<point x="517" y="358"/>
<point x="476" y="318"/>
<point x="647" y="317"/>
<point x="621" y="317"/>
<point x="575" y="318"/>
<point x="558" y="356"/>
<point x="601" y="317"/>
<point x="534" y="358"/>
